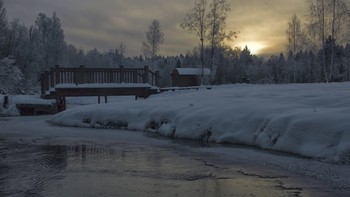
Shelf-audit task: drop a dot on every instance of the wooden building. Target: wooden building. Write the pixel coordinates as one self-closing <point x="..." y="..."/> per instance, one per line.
<point x="187" y="77"/>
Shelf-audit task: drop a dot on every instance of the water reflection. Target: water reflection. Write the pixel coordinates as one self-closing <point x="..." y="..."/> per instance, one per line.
<point x="120" y="170"/>
<point x="25" y="169"/>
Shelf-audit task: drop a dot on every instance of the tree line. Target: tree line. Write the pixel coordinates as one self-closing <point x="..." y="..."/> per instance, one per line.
<point x="325" y="32"/>
<point x="317" y="49"/>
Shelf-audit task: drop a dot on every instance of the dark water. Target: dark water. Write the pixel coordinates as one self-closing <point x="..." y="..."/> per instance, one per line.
<point x="39" y="159"/>
<point x="125" y="170"/>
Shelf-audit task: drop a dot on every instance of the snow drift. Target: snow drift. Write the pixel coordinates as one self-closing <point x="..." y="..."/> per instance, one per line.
<point x="312" y="120"/>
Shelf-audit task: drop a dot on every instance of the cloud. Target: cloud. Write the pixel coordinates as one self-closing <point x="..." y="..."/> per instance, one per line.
<point x="264" y="21"/>
<point x="104" y="24"/>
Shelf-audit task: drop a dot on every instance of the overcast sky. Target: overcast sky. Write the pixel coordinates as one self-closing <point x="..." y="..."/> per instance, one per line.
<point x="103" y="24"/>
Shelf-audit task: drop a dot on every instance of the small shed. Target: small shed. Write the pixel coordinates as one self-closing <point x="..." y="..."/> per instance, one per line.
<point x="186" y="77"/>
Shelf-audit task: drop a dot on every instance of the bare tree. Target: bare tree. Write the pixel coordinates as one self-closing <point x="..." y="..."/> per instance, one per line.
<point x="155" y="37"/>
<point x="3" y="19"/>
<point x="339" y="16"/>
<point x="317" y="27"/>
<point x="48" y="36"/>
<point x="295" y="38"/>
<point x="122" y="48"/>
<point x="3" y="26"/>
<point x="294" y="34"/>
<point x="327" y="18"/>
<point x="15" y="34"/>
<point x="120" y="52"/>
<point x="217" y="26"/>
<point x="196" y="21"/>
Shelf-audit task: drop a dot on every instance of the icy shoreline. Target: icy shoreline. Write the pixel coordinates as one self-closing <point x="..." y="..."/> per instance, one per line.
<point x="306" y="119"/>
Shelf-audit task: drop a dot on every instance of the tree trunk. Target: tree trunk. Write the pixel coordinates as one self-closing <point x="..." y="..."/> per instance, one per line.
<point x="202" y="60"/>
<point x="332" y="44"/>
<point x="323" y="41"/>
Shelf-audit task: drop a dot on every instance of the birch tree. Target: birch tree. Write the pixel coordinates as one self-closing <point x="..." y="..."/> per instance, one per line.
<point x="339" y="16"/>
<point x="120" y="53"/>
<point x="3" y="25"/>
<point x="295" y="39"/>
<point x="327" y="18"/>
<point x="196" y="21"/>
<point x="294" y="34"/>
<point x="217" y="26"/>
<point x="14" y="37"/>
<point x="317" y="27"/>
<point x="3" y="19"/>
<point x="154" y="38"/>
<point x="47" y="39"/>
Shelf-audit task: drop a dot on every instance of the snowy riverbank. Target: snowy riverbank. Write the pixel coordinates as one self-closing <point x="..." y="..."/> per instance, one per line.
<point x="312" y="120"/>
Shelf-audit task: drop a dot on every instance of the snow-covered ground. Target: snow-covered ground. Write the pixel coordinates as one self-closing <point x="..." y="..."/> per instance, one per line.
<point x="312" y="120"/>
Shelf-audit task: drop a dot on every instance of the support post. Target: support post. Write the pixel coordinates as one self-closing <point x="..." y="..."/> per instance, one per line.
<point x="105" y="99"/>
<point x="61" y="103"/>
<point x="121" y="71"/>
<point x="81" y="74"/>
<point x="98" y="100"/>
<point x="145" y="75"/>
<point x="135" y="76"/>
<point x="57" y="75"/>
<point x="52" y="78"/>
<point x="157" y="78"/>
<point x="42" y="83"/>
<point x="46" y="81"/>
<point x="6" y="102"/>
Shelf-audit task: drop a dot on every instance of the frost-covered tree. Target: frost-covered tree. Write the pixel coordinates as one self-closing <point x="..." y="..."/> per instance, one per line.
<point x="217" y="15"/>
<point x="196" y="21"/>
<point x="72" y="56"/>
<point x="3" y="26"/>
<point x="317" y="25"/>
<point x="295" y="35"/>
<point x="333" y="55"/>
<point x="297" y="42"/>
<point x="229" y="69"/>
<point x="10" y="75"/>
<point x="207" y="20"/>
<point x="245" y="61"/>
<point x="3" y="19"/>
<point x="328" y="18"/>
<point x="15" y="37"/>
<point x="154" y="38"/>
<point x="48" y="35"/>
<point x="120" y="53"/>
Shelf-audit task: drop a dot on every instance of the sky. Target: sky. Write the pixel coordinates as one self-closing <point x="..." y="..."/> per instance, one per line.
<point x="90" y="24"/>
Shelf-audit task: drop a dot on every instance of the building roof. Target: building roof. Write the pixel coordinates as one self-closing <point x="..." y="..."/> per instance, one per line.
<point x="192" y="71"/>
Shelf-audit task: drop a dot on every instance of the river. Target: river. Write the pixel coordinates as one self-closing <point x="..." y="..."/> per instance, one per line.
<point x="40" y="159"/>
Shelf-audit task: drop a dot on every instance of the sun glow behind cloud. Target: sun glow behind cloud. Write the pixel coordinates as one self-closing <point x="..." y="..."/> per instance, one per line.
<point x="255" y="47"/>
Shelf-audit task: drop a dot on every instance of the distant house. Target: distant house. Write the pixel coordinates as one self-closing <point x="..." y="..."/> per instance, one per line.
<point x="186" y="77"/>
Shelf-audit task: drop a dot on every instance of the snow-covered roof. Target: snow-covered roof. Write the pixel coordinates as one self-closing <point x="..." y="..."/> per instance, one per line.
<point x="192" y="71"/>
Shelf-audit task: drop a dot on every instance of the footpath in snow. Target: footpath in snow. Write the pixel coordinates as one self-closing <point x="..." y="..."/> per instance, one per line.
<point x="312" y="120"/>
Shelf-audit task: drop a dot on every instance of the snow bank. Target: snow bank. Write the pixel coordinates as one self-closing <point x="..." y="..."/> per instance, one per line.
<point x="312" y="120"/>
